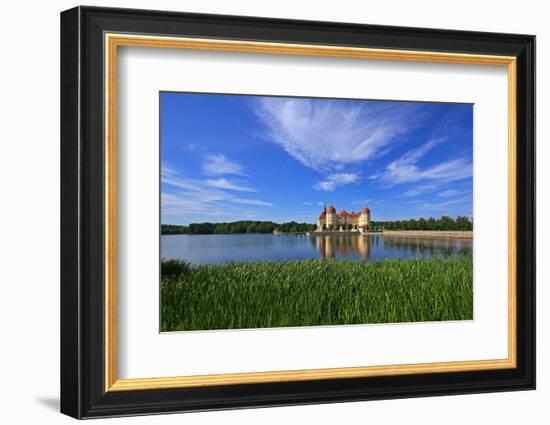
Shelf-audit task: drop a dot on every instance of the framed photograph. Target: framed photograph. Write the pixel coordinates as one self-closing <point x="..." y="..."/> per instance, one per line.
<point x="261" y="212"/>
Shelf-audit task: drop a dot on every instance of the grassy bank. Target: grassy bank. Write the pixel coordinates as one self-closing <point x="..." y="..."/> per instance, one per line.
<point x="314" y="292"/>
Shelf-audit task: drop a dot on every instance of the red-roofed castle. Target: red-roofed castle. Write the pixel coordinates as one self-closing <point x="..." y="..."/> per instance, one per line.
<point x="330" y="220"/>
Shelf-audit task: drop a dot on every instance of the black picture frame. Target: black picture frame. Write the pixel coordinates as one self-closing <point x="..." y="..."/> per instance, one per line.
<point x="83" y="392"/>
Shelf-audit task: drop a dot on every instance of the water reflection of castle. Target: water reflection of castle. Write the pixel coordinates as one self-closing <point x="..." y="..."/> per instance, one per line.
<point x="331" y="246"/>
<point x="377" y="247"/>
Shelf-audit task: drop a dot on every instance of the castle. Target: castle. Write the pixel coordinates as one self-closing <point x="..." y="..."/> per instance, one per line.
<point x="329" y="220"/>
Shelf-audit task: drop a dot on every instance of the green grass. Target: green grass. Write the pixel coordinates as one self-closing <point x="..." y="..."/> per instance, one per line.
<point x="314" y="292"/>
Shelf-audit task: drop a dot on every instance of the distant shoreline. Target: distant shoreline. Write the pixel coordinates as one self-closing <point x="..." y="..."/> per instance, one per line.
<point x="343" y="232"/>
<point x="443" y="224"/>
<point x="447" y="234"/>
<point x="435" y="234"/>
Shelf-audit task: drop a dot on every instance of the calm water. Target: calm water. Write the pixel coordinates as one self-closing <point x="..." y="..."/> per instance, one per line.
<point x="201" y="249"/>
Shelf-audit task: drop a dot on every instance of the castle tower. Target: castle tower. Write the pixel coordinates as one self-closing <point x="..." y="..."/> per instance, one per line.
<point x="322" y="220"/>
<point x="331" y="216"/>
<point x="364" y="218"/>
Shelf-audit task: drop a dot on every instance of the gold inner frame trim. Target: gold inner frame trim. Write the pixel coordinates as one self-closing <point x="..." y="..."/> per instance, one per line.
<point x="113" y="41"/>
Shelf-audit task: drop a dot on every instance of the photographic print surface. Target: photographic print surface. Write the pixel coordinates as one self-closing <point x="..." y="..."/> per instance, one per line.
<point x="292" y="211"/>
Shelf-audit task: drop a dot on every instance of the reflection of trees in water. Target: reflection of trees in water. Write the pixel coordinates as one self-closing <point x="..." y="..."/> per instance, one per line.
<point x="333" y="246"/>
<point x="427" y="247"/>
<point x="330" y="245"/>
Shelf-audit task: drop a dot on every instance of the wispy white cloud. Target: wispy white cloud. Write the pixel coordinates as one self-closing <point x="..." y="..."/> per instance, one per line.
<point x="190" y="147"/>
<point x="247" y="201"/>
<point x="439" y="206"/>
<point x="421" y="189"/>
<point x="370" y="202"/>
<point x="452" y="192"/>
<point x="171" y="176"/>
<point x="406" y="169"/>
<point x="223" y="183"/>
<point x="334" y="180"/>
<point x="179" y="203"/>
<point x="210" y="197"/>
<point x="326" y="136"/>
<point x="167" y="170"/>
<point x="216" y="164"/>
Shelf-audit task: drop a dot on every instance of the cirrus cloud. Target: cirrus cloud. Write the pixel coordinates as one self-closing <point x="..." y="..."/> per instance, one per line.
<point x="328" y="135"/>
<point x="218" y="165"/>
<point x="334" y="180"/>
<point x="223" y="183"/>
<point x="182" y="196"/>
<point x="406" y="169"/>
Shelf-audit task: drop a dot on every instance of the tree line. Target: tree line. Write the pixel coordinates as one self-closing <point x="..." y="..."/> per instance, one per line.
<point x="249" y="226"/>
<point x="443" y="223"/>
<point x="243" y="226"/>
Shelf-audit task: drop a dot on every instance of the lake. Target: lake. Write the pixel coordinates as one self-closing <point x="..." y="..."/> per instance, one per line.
<point x="208" y="249"/>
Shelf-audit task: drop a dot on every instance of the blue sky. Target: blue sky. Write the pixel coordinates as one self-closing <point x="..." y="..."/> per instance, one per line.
<point x="231" y="157"/>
